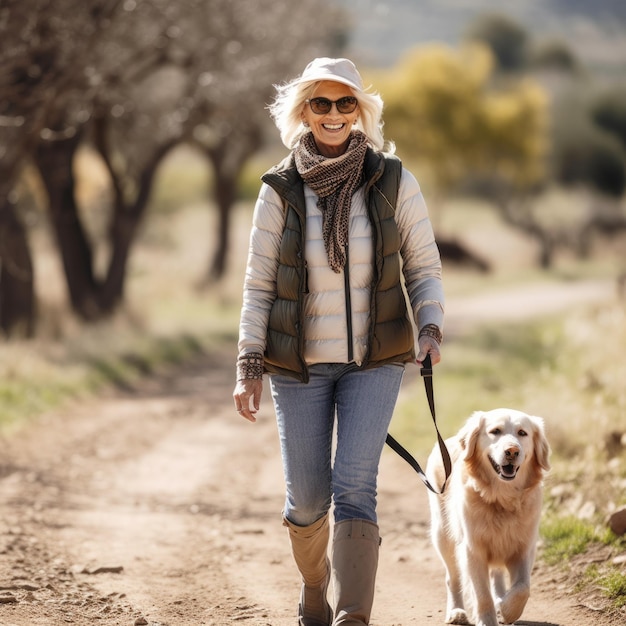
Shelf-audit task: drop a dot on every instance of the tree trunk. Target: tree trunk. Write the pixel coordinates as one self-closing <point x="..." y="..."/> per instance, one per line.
<point x="17" y="297"/>
<point x="123" y="234"/>
<point x="228" y="160"/>
<point x="516" y="212"/>
<point x="55" y="161"/>
<point x="546" y="250"/>
<point x="225" y="196"/>
<point x="127" y="213"/>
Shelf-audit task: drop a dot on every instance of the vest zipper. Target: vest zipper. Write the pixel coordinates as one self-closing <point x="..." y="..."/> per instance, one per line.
<point x="346" y="281"/>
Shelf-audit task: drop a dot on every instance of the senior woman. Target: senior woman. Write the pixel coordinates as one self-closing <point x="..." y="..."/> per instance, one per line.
<point x="335" y="226"/>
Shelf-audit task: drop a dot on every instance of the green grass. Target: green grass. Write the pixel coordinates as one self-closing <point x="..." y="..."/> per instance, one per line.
<point x="568" y="537"/>
<point x="565" y="537"/>
<point x="613" y="584"/>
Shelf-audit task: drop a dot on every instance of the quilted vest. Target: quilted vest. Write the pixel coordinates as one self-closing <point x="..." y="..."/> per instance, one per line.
<point x="390" y="332"/>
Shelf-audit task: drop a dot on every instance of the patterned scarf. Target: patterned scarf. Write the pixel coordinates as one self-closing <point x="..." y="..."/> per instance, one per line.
<point x="334" y="180"/>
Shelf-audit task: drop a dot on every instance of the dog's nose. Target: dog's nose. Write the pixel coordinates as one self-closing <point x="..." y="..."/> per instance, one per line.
<point x="512" y="453"/>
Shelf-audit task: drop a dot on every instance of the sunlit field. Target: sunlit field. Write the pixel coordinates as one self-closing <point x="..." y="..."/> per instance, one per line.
<point x="568" y="367"/>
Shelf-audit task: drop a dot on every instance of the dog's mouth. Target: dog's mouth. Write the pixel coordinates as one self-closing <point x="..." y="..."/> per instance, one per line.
<point x="506" y="472"/>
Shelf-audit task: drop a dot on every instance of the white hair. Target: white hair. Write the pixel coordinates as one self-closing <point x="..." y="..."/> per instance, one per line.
<point x="286" y="111"/>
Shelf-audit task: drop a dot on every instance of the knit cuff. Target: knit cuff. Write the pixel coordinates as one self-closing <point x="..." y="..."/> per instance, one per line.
<point x="250" y="366"/>
<point x="431" y="330"/>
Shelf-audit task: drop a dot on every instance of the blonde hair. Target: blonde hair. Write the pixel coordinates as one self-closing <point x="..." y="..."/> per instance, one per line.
<point x="286" y="111"/>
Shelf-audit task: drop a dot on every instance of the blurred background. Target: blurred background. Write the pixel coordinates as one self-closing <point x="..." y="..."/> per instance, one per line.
<point x="133" y="134"/>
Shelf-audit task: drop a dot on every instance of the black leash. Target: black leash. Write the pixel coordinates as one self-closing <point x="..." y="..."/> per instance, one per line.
<point x="427" y="373"/>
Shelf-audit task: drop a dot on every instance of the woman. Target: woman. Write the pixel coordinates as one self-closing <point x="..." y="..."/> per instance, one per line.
<point x="325" y="315"/>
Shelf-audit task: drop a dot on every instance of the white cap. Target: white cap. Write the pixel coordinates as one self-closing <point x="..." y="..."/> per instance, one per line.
<point x="338" y="70"/>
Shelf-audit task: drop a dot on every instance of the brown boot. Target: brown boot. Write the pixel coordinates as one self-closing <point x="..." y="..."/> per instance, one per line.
<point x="355" y="561"/>
<point x="309" y="546"/>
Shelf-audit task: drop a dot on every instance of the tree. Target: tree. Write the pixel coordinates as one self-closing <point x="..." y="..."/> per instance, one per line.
<point x="608" y="111"/>
<point x="256" y="44"/>
<point x="133" y="80"/>
<point x="507" y="40"/>
<point x="17" y="301"/>
<point x="38" y="49"/>
<point x="115" y="59"/>
<point x="446" y="112"/>
<point x="443" y="111"/>
<point x="554" y="55"/>
<point x="433" y="102"/>
<point x="589" y="153"/>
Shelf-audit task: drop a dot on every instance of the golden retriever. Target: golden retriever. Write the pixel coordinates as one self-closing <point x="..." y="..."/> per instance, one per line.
<point x="485" y="524"/>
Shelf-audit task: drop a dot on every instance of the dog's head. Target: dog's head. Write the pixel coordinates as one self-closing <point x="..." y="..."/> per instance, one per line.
<point x="508" y="442"/>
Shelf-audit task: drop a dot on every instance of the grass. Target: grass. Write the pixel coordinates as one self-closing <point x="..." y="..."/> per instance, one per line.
<point x="566" y="539"/>
<point x="613" y="585"/>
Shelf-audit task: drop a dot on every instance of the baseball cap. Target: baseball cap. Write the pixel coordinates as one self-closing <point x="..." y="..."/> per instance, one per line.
<point x="339" y="70"/>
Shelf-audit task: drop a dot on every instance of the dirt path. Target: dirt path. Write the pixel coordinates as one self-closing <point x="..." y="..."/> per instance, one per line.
<point x="160" y="506"/>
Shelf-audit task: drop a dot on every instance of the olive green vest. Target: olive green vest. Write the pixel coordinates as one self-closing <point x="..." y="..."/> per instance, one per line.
<point x="390" y="333"/>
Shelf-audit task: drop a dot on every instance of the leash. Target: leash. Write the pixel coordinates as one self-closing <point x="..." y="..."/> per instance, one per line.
<point x="427" y="374"/>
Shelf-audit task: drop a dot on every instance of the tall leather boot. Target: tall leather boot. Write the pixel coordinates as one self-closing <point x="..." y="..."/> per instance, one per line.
<point x="354" y="565"/>
<point x="309" y="546"/>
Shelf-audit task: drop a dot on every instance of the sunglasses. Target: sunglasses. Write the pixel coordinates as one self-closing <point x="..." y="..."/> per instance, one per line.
<point x="322" y="106"/>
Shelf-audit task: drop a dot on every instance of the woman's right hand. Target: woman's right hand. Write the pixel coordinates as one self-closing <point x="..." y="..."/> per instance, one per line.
<point x="247" y="390"/>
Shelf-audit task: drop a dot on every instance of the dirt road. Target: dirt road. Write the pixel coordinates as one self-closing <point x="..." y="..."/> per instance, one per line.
<point x="160" y="506"/>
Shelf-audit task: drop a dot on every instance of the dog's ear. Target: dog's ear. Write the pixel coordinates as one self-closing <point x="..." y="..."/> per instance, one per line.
<point x="468" y="435"/>
<point x="541" y="445"/>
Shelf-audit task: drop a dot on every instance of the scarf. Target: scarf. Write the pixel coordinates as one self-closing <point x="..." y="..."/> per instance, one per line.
<point x="334" y="180"/>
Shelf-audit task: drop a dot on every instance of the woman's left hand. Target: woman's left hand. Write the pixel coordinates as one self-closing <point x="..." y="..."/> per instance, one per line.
<point x="428" y="345"/>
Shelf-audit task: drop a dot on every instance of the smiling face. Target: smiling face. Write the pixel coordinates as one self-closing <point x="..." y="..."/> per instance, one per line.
<point x="331" y="131"/>
<point x="507" y="443"/>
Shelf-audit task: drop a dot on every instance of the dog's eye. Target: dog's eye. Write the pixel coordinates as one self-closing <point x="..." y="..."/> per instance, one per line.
<point x="495" y="431"/>
<point x="522" y="433"/>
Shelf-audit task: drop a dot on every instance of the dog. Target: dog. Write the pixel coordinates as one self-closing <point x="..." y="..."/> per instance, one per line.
<point x="485" y="524"/>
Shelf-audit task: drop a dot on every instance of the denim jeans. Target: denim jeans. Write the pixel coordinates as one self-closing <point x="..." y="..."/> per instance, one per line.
<point x="362" y="401"/>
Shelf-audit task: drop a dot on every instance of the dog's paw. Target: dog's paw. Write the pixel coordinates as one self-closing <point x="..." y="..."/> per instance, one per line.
<point x="511" y="607"/>
<point x="457" y="616"/>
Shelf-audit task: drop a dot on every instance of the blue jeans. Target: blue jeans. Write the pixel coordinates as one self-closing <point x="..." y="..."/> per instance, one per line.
<point x="363" y="402"/>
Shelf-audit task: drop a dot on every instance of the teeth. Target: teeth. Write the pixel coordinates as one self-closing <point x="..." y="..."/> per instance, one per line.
<point x="333" y="126"/>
